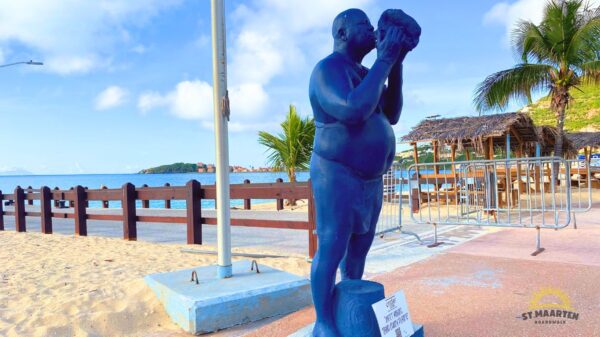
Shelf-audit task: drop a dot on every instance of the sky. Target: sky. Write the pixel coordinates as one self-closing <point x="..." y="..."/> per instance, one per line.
<point x="127" y="85"/>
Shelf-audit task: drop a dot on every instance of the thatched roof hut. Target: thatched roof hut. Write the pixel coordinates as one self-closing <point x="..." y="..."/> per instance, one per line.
<point x="582" y="140"/>
<point x="473" y="131"/>
<point x="547" y="138"/>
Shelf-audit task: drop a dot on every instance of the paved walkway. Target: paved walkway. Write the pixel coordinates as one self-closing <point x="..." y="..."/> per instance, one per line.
<point x="484" y="286"/>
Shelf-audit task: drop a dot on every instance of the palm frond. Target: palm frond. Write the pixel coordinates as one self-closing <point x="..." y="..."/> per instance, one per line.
<point x="498" y="89"/>
<point x="530" y="42"/>
<point x="559" y="25"/>
<point x="585" y="43"/>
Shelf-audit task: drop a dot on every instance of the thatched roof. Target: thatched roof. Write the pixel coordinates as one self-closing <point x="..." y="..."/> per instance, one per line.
<point x="584" y="139"/>
<point x="547" y="138"/>
<point x="472" y="131"/>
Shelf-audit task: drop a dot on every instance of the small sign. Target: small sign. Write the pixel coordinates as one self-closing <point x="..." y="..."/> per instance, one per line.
<point x="393" y="317"/>
<point x="594" y="159"/>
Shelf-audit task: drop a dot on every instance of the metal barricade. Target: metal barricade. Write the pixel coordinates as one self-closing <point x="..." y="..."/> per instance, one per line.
<point x="580" y="179"/>
<point x="390" y="218"/>
<point x="520" y="192"/>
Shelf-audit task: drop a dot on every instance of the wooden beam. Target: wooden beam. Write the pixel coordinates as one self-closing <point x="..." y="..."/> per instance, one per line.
<point x="588" y="154"/>
<point x="415" y="153"/>
<point x="490" y="149"/>
<point x="436" y="156"/>
<point x="517" y="135"/>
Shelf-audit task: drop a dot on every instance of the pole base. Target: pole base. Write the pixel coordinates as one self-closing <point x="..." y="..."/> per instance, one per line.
<point x="538" y="251"/>
<point x="435" y="244"/>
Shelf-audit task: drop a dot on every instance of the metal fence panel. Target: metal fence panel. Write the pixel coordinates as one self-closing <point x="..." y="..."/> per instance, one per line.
<point x="390" y="218"/>
<point x="521" y="192"/>
<point x="580" y="179"/>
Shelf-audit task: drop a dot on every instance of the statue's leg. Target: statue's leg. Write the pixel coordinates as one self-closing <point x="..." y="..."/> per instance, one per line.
<point x="353" y="265"/>
<point x="332" y="194"/>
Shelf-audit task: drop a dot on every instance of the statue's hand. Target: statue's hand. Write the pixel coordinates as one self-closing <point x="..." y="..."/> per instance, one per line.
<point x="390" y="47"/>
<point x="407" y="44"/>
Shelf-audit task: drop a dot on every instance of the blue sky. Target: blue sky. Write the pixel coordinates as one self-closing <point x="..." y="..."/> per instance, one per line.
<point x="127" y="84"/>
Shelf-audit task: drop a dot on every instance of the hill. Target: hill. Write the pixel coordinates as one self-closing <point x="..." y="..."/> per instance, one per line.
<point x="173" y="168"/>
<point x="583" y="114"/>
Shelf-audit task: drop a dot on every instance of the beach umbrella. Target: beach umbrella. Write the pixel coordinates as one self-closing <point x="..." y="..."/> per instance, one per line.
<point x="221" y="112"/>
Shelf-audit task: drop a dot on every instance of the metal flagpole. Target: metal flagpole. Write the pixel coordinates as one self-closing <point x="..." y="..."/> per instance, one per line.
<point x="221" y="109"/>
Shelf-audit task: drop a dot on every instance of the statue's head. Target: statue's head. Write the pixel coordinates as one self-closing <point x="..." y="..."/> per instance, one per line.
<point x="352" y="29"/>
<point x="408" y="25"/>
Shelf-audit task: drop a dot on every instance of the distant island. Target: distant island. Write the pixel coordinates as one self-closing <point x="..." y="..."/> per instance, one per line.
<point x="198" y="168"/>
<point x="15" y="172"/>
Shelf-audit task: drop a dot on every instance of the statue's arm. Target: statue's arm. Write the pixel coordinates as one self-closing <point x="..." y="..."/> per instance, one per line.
<point x="338" y="99"/>
<point x="393" y="94"/>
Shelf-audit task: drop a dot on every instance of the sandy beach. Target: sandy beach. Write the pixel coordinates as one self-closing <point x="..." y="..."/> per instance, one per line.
<point x="62" y="285"/>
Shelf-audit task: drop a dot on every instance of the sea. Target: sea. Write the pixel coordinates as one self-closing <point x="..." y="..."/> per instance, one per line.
<point x="95" y="181"/>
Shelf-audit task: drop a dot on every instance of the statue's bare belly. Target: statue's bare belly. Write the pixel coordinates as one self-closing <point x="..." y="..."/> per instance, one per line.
<point x="367" y="148"/>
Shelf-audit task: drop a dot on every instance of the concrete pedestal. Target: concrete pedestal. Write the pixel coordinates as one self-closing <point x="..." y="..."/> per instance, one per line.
<point x="214" y="304"/>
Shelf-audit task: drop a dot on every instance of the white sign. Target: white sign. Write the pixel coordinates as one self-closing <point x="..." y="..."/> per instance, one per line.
<point x="393" y="317"/>
<point x="594" y="159"/>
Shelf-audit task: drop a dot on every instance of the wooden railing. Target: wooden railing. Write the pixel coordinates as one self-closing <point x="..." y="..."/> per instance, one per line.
<point x="193" y="193"/>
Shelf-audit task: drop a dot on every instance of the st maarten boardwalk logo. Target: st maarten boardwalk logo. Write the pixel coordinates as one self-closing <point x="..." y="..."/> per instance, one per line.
<point x="550" y="306"/>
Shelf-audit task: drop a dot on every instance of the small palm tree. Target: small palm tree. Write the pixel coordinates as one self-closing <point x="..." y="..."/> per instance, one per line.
<point x="290" y="150"/>
<point x="557" y="55"/>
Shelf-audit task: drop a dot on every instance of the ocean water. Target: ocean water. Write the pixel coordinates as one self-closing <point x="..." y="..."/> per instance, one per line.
<point x="95" y="181"/>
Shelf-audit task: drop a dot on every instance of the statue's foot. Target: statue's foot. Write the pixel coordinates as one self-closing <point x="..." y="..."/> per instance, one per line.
<point x="322" y="329"/>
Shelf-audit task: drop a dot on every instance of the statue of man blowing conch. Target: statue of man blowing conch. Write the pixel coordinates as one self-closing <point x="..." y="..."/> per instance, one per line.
<point x="354" y="145"/>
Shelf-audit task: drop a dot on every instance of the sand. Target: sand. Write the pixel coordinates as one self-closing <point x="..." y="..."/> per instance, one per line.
<point x="59" y="285"/>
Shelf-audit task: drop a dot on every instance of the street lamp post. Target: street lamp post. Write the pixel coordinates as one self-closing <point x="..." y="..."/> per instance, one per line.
<point x="30" y="62"/>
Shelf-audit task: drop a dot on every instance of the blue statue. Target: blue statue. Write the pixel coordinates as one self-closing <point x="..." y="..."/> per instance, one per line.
<point x="354" y="145"/>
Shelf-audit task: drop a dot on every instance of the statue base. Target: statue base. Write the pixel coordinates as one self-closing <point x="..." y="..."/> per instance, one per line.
<point x="307" y="331"/>
<point x="353" y="300"/>
<point x="354" y="315"/>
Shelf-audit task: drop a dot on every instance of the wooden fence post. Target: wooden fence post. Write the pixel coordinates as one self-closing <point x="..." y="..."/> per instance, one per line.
<point x="247" y="202"/>
<point x="312" y="223"/>
<point x="194" y="212"/>
<point x="56" y="200"/>
<point x="168" y="201"/>
<point x="145" y="203"/>
<point x="46" y="209"/>
<point x="71" y="202"/>
<point x="20" y="224"/>
<point x="1" y="212"/>
<point x="87" y="202"/>
<point x="279" y="201"/>
<point x="104" y="202"/>
<point x="129" y="216"/>
<point x="29" y="191"/>
<point x="79" y="211"/>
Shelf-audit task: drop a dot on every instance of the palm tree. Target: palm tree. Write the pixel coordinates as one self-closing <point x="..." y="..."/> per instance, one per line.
<point x="290" y="150"/>
<point x="557" y="55"/>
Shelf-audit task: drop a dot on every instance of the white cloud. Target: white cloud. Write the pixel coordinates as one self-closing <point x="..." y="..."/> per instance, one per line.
<point x="194" y="100"/>
<point x="74" y="36"/>
<point x="508" y="14"/>
<point x="189" y="100"/>
<point x="110" y="97"/>
<point x="247" y="101"/>
<point x="139" y="49"/>
<point x="151" y="100"/>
